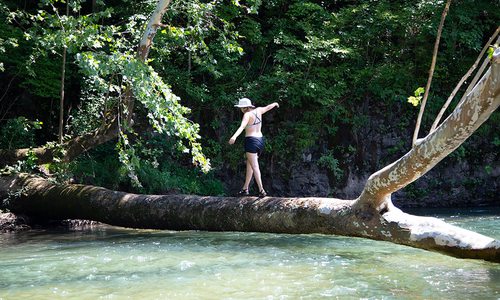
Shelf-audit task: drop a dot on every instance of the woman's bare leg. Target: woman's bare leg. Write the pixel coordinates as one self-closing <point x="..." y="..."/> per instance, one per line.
<point x="248" y="176"/>
<point x="254" y="163"/>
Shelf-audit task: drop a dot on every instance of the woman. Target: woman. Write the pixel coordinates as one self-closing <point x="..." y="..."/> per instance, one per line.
<point x="254" y="141"/>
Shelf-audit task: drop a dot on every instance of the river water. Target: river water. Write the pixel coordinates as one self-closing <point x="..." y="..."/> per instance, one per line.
<point x="117" y="263"/>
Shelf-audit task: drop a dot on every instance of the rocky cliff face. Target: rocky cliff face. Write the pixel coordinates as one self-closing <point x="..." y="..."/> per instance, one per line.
<point x="470" y="176"/>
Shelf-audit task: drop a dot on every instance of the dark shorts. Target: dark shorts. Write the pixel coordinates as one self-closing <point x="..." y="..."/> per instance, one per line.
<point x="254" y="144"/>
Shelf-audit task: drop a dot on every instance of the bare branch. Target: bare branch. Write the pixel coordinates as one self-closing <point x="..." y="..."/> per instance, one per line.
<point x="459" y="85"/>
<point x="431" y="73"/>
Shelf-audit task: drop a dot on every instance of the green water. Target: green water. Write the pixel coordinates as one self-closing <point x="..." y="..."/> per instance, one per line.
<point x="117" y="263"/>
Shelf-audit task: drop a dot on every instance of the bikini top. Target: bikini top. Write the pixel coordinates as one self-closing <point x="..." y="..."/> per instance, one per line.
<point x="257" y="120"/>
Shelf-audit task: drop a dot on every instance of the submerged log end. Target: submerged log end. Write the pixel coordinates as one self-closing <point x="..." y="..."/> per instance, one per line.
<point x="436" y="235"/>
<point x="490" y="252"/>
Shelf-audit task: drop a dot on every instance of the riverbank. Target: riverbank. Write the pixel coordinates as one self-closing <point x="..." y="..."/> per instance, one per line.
<point x="10" y="222"/>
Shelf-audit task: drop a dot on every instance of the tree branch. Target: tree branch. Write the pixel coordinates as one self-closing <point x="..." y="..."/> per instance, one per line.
<point x="427" y="152"/>
<point x="459" y="85"/>
<point x="431" y="73"/>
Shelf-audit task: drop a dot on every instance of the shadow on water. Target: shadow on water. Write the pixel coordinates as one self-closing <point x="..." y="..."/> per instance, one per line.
<point x="455" y="212"/>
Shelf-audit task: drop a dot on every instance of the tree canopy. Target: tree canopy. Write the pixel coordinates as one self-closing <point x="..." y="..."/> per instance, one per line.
<point x="337" y="68"/>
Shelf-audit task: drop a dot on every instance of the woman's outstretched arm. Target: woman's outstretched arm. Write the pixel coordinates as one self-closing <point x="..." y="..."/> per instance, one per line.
<point x="267" y="108"/>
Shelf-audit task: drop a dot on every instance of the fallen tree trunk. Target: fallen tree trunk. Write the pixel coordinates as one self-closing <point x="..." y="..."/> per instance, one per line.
<point x="372" y="215"/>
<point x="38" y="197"/>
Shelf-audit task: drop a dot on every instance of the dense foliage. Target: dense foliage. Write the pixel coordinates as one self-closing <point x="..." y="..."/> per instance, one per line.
<point x="342" y="72"/>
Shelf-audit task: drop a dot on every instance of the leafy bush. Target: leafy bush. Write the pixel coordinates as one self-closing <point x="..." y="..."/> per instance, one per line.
<point x="18" y="133"/>
<point x="174" y="179"/>
<point x="332" y="164"/>
<point x="158" y="173"/>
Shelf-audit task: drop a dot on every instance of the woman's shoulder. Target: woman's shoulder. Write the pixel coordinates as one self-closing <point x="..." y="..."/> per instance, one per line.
<point x="247" y="115"/>
<point x="253" y="111"/>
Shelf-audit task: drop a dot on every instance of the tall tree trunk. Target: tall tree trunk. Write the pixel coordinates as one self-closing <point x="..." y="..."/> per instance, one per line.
<point x="431" y="72"/>
<point x="61" y="101"/>
<point x="151" y="29"/>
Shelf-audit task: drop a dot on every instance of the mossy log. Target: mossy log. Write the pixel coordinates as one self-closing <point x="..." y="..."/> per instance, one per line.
<point x="41" y="198"/>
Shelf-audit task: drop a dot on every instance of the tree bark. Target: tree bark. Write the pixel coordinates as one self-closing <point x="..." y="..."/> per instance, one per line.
<point x="150" y="32"/>
<point x="73" y="147"/>
<point x="40" y="198"/>
<point x="61" y="100"/>
<point x="63" y="78"/>
<point x="459" y="85"/>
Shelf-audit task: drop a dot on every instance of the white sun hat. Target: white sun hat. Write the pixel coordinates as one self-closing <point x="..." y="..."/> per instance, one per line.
<point x="244" y="102"/>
